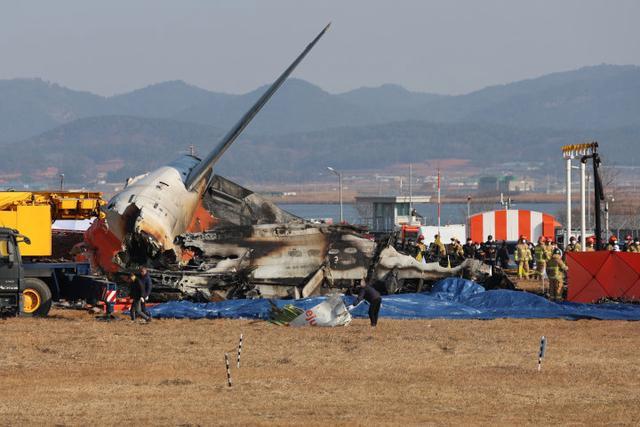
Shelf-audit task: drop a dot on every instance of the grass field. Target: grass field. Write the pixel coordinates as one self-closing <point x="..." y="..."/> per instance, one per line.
<point x="72" y="370"/>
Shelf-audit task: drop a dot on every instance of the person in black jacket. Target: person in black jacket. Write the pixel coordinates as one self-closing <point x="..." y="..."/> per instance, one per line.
<point x="469" y="249"/>
<point x="136" y="293"/>
<point x="147" y="286"/>
<point x="503" y="256"/>
<point x="372" y="296"/>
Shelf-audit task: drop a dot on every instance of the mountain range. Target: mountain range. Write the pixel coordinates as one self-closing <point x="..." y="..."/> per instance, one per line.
<point x="43" y="124"/>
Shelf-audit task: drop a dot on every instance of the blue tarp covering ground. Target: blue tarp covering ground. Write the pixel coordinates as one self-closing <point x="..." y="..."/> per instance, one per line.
<point x="451" y="298"/>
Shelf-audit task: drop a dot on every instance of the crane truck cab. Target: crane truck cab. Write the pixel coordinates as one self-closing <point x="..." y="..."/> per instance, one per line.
<point x="28" y="296"/>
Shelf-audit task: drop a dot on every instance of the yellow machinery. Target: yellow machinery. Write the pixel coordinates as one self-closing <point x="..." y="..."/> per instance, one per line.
<point x="25" y="220"/>
<point x="32" y="213"/>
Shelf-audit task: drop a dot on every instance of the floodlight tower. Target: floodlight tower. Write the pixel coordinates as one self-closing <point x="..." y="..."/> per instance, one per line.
<point x="585" y="151"/>
<point x="568" y="156"/>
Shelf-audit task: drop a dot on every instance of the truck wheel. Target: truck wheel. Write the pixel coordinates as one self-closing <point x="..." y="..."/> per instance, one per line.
<point x="36" y="298"/>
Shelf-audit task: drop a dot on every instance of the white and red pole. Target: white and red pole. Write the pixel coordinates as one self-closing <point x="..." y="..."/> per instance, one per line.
<point x="438" y="200"/>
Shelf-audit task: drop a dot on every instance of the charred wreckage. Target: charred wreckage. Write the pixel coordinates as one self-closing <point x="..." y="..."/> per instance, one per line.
<point x="204" y="237"/>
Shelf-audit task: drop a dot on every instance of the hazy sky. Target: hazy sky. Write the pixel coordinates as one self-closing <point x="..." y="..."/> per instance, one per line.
<point x="233" y="46"/>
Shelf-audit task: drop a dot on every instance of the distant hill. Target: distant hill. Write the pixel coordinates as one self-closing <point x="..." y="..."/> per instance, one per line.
<point x="298" y="106"/>
<point x="78" y="148"/>
<point x="305" y="128"/>
<point x="598" y="97"/>
<point x="31" y="106"/>
<point x="392" y="102"/>
<point x="137" y="145"/>
<point x="164" y="99"/>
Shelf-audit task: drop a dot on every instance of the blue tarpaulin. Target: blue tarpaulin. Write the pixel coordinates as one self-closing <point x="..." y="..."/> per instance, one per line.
<point x="451" y="298"/>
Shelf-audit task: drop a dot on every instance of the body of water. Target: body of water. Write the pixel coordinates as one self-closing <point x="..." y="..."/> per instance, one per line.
<point x="453" y="213"/>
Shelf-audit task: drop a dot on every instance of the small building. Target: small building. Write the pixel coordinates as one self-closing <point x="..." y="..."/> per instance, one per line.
<point x="387" y="212"/>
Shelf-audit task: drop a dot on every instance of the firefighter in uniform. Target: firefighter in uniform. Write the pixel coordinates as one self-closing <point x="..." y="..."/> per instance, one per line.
<point x="489" y="250"/>
<point x="548" y="247"/>
<point x="469" y="249"/>
<point x="542" y="256"/>
<point x="573" y="246"/>
<point x="555" y="270"/>
<point x="457" y="252"/>
<point x="590" y="247"/>
<point x="420" y="248"/>
<point x="522" y="256"/>
<point x="628" y="241"/>
<point x="635" y="246"/>
<point x="437" y="249"/>
<point x="613" y="241"/>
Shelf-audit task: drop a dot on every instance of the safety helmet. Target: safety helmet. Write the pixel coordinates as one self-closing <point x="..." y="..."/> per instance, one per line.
<point x="420" y="238"/>
<point x="628" y="238"/>
<point x="590" y="240"/>
<point x="557" y="251"/>
<point x="572" y="239"/>
<point x="489" y="237"/>
<point x="522" y="236"/>
<point x="613" y="239"/>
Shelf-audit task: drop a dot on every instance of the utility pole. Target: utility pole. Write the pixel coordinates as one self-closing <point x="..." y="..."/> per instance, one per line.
<point x="468" y="215"/>
<point x="340" y="190"/>
<point x="568" y="190"/>
<point x="438" y="200"/>
<point x="61" y="181"/>
<point x="410" y="187"/>
<point x="583" y="216"/>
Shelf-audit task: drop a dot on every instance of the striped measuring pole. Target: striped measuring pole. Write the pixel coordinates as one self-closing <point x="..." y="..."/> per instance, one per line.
<point x="109" y="296"/>
<point x="239" y="350"/>
<point x="226" y="361"/>
<point x="543" y="348"/>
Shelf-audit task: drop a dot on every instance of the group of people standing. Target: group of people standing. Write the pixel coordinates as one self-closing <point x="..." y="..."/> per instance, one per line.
<point x="547" y="258"/>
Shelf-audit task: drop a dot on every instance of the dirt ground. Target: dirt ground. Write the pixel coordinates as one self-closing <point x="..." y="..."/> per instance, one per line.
<point x="73" y="370"/>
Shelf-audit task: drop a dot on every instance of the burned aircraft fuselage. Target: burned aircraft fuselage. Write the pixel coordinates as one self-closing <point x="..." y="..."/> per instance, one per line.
<point x="143" y="220"/>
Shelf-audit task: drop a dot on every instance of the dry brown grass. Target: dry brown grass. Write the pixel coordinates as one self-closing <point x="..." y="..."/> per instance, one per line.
<point x="73" y="370"/>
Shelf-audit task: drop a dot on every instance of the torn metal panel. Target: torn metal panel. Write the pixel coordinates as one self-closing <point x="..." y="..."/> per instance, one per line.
<point x="233" y="204"/>
<point x="408" y="267"/>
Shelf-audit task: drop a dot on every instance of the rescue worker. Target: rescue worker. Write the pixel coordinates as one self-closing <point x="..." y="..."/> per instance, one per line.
<point x="613" y="242"/>
<point x="136" y="293"/>
<point x="437" y="249"/>
<point x="469" y="249"/>
<point x="421" y="249"/>
<point x="479" y="252"/>
<point x="522" y="255"/>
<point x="541" y="255"/>
<point x="503" y="256"/>
<point x="147" y="285"/>
<point x="372" y="296"/>
<point x="555" y="270"/>
<point x="490" y="251"/>
<point x="573" y="246"/>
<point x="590" y="243"/>
<point x="531" y="257"/>
<point x="548" y="247"/>
<point x="457" y="252"/>
<point x="635" y="246"/>
<point x="628" y="242"/>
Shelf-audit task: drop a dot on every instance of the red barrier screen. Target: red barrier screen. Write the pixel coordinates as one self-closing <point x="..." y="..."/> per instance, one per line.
<point x="595" y="275"/>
